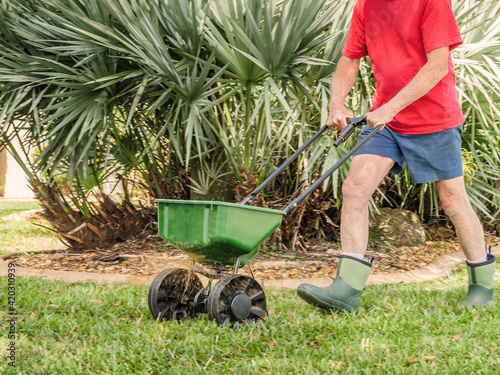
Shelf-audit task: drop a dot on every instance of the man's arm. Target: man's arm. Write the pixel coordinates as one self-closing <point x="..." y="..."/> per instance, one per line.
<point x="425" y="79"/>
<point x="342" y="82"/>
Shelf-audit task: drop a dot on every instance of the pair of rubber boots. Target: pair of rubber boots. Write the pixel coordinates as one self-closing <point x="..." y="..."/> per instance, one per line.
<point x="344" y="294"/>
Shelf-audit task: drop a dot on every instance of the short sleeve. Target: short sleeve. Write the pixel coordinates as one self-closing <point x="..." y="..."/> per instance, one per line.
<point x="355" y="45"/>
<point x="439" y="26"/>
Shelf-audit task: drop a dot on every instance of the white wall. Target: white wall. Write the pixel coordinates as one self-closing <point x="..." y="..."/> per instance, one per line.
<point x="14" y="178"/>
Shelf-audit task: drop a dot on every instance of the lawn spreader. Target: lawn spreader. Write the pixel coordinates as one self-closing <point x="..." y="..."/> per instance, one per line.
<point x="221" y="237"/>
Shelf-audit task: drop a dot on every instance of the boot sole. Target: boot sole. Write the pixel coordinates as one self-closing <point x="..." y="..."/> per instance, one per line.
<point x="478" y="296"/>
<point x="331" y="304"/>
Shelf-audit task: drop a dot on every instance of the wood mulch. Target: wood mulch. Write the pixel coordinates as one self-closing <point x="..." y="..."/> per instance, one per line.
<point x="148" y="257"/>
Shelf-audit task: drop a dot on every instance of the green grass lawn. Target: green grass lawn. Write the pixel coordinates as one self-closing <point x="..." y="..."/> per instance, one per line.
<point x="22" y="236"/>
<point x="7" y="208"/>
<point x="401" y="328"/>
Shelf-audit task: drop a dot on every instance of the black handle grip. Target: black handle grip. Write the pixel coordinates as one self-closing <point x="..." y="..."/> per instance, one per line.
<point x="349" y="129"/>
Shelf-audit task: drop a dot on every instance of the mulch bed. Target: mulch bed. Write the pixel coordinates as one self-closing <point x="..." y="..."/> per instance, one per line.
<point x="150" y="256"/>
<point x="147" y="257"/>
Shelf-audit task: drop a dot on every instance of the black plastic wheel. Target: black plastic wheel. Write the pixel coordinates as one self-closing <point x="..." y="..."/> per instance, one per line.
<point x="236" y="299"/>
<point x="171" y="294"/>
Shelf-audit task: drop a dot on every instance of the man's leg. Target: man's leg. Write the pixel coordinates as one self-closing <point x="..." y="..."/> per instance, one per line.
<point x="344" y="293"/>
<point x="365" y="174"/>
<point x="480" y="263"/>
<point x="457" y="206"/>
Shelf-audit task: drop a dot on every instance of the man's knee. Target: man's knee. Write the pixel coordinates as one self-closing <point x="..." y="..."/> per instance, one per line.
<point x="454" y="203"/>
<point x="449" y="206"/>
<point x="354" y="189"/>
<point x="365" y="174"/>
<point x="453" y="196"/>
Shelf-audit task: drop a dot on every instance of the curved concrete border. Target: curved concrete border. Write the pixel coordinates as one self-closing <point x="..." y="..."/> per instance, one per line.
<point x="10" y="255"/>
<point x="440" y="267"/>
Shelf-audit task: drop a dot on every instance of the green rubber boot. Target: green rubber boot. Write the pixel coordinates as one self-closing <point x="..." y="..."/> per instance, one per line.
<point x="481" y="282"/>
<point x="345" y="291"/>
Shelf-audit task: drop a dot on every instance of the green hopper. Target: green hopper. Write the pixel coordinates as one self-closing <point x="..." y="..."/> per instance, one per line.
<point x="216" y="233"/>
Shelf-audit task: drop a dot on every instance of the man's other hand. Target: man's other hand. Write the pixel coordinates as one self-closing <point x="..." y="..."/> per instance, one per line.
<point x="380" y="116"/>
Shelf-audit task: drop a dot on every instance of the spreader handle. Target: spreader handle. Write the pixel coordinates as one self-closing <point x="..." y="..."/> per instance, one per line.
<point x="356" y="121"/>
<point x="349" y="129"/>
<point x="249" y="198"/>
<point x="320" y="180"/>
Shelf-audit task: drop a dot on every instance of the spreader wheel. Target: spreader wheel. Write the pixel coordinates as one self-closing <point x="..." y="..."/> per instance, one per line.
<point x="236" y="299"/>
<point x="171" y="294"/>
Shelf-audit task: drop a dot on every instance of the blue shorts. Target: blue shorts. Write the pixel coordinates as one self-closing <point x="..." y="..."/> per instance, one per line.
<point x="430" y="157"/>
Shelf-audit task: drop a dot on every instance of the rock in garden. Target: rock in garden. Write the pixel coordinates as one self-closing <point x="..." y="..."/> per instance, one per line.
<point x="401" y="227"/>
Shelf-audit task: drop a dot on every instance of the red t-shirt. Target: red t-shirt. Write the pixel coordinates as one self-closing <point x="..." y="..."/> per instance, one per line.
<point x="396" y="35"/>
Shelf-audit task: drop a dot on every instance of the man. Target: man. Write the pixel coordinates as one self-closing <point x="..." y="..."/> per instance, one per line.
<point x="409" y="44"/>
